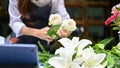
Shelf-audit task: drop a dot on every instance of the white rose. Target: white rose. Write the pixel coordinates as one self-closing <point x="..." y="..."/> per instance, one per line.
<point x="69" y="25"/>
<point x="55" y="19"/>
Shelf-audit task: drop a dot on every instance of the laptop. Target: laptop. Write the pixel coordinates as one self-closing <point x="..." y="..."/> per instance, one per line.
<point x="18" y="54"/>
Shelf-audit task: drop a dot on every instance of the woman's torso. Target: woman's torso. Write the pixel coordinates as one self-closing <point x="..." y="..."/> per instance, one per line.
<point x="38" y="19"/>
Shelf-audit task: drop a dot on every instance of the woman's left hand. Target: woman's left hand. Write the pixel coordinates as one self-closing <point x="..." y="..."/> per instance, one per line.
<point x="63" y="33"/>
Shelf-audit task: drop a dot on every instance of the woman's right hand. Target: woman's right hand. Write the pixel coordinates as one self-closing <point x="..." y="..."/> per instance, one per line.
<point x="42" y="34"/>
<point x="39" y="33"/>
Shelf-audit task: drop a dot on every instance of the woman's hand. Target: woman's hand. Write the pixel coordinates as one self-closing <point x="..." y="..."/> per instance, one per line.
<point x="63" y="33"/>
<point x="39" y="33"/>
<point x="42" y="34"/>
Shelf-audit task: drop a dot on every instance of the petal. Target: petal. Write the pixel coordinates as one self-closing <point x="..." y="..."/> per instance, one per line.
<point x="60" y="50"/>
<point x="98" y="66"/>
<point x="57" y="62"/>
<point x="75" y="41"/>
<point x="83" y="43"/>
<point x="95" y="59"/>
<point x="65" y="42"/>
<point x="88" y="51"/>
<point x="75" y="65"/>
<point x="111" y="18"/>
<point x="63" y="52"/>
<point x="78" y="60"/>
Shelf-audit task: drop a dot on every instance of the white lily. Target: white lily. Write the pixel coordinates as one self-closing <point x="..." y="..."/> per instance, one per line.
<point x="70" y="45"/>
<point x="58" y="62"/>
<point x="69" y="48"/>
<point x="91" y="59"/>
<point x="82" y="44"/>
<point x="65" y="58"/>
<point x="67" y="43"/>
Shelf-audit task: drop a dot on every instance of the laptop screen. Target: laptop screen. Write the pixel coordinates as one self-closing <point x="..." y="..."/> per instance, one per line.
<point x="18" y="54"/>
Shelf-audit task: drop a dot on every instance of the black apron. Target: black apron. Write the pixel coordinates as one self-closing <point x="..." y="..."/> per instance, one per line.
<point x="38" y="19"/>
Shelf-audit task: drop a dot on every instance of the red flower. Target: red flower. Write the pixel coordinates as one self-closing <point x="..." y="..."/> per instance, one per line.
<point x="111" y="18"/>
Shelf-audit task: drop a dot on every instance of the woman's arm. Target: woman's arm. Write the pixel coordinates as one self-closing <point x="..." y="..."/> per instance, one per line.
<point x="39" y="33"/>
<point x="15" y="21"/>
<point x="19" y="27"/>
<point x="59" y="7"/>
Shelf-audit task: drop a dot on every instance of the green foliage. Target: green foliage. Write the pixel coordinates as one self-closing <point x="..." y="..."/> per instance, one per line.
<point x="113" y="55"/>
<point x="103" y="43"/>
<point x="44" y="56"/>
<point x="116" y="28"/>
<point x="118" y="8"/>
<point x="53" y="30"/>
<point x="116" y="24"/>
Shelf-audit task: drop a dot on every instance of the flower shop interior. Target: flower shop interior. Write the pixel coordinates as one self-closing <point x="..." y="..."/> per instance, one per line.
<point x="89" y="14"/>
<point x="90" y="17"/>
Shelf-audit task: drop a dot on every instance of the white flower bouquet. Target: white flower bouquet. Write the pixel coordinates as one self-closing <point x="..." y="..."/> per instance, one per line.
<point x="56" y="23"/>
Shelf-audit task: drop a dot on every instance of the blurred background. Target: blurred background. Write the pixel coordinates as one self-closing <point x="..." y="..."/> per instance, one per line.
<point x="89" y="14"/>
<point x="4" y="18"/>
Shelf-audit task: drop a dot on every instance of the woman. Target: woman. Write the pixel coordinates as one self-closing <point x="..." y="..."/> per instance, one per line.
<point x="29" y="19"/>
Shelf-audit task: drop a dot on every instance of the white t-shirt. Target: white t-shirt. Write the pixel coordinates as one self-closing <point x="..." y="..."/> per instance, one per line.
<point x="16" y="23"/>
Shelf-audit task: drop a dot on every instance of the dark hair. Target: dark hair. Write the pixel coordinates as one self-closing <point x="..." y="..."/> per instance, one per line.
<point x="25" y="7"/>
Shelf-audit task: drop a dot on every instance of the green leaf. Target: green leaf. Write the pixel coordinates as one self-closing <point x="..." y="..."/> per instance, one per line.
<point x="114" y="57"/>
<point x="53" y="30"/>
<point x="54" y="36"/>
<point x="41" y="46"/>
<point x="113" y="61"/>
<point x="116" y="28"/>
<point x="116" y="51"/>
<point x="110" y="62"/>
<point x="103" y="43"/>
<point x="117" y="64"/>
<point x="44" y="56"/>
<point x="118" y="8"/>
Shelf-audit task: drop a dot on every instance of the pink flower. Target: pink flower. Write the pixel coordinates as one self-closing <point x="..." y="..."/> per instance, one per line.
<point x="114" y="8"/>
<point x="111" y="18"/>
